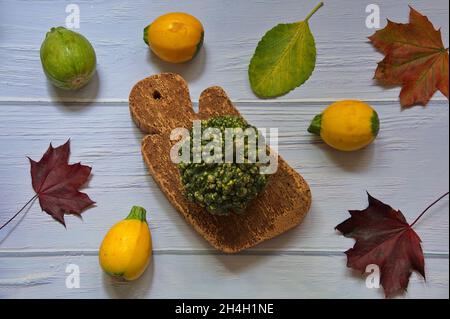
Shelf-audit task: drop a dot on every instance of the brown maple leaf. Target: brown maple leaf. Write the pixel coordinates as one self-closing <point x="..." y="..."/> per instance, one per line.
<point x="56" y="183"/>
<point x="415" y="58"/>
<point x="383" y="238"/>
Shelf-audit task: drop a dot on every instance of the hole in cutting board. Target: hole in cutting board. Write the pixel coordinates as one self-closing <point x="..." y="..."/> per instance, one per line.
<point x="156" y="95"/>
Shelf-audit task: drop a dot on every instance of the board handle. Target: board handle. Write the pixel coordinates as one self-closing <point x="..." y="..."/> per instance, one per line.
<point x="160" y="103"/>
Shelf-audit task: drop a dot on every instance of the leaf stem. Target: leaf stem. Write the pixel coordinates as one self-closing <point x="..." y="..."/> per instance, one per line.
<point x="429" y="206"/>
<point x="15" y="215"/>
<point x="320" y="5"/>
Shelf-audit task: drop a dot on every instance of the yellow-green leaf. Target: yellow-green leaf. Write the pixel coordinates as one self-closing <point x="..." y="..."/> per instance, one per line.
<point x="284" y="58"/>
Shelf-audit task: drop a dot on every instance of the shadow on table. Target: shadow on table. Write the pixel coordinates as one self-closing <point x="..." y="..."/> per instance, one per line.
<point x="15" y="222"/>
<point x="122" y="289"/>
<point x="263" y="252"/>
<point x="84" y="96"/>
<point x="190" y="70"/>
<point x="356" y="161"/>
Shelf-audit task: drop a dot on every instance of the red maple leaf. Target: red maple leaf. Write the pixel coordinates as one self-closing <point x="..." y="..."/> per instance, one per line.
<point x="415" y="58"/>
<point x="383" y="238"/>
<point x="56" y="183"/>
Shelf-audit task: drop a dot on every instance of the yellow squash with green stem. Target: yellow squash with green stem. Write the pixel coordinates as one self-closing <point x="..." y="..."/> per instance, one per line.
<point x="126" y="249"/>
<point x="346" y="125"/>
<point x="175" y="37"/>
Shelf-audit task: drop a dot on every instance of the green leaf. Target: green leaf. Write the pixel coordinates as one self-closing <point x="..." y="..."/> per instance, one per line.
<point x="284" y="58"/>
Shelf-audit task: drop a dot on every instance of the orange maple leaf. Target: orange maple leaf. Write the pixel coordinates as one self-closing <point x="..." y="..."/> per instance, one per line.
<point x="415" y="58"/>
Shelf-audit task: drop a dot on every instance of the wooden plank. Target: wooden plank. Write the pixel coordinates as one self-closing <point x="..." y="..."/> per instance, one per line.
<point x="407" y="167"/>
<point x="197" y="276"/>
<point x="345" y="63"/>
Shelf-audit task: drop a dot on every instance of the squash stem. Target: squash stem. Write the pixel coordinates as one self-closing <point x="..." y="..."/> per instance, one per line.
<point x="315" y="126"/>
<point x="320" y="5"/>
<point x="137" y="212"/>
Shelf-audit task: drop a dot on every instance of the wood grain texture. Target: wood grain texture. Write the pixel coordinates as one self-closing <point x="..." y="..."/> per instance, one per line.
<point x="345" y="66"/>
<point x="197" y="276"/>
<point x="407" y="167"/>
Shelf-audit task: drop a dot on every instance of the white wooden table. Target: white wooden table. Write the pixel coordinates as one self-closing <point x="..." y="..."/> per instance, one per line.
<point x="407" y="166"/>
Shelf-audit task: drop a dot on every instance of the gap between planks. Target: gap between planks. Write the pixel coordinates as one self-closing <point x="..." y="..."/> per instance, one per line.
<point x="18" y="101"/>
<point x="262" y="252"/>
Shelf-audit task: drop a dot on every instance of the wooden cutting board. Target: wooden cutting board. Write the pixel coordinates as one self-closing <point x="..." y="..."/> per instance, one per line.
<point x="160" y="103"/>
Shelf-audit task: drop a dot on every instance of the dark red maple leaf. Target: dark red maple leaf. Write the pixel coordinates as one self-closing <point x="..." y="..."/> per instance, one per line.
<point x="415" y="58"/>
<point x="383" y="238"/>
<point x="56" y="183"/>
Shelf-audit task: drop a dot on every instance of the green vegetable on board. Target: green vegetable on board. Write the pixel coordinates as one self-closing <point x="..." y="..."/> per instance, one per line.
<point x="223" y="187"/>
